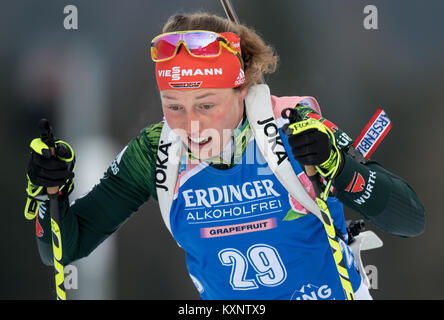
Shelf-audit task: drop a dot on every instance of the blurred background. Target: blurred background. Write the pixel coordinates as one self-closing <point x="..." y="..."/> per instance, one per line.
<point x="97" y="86"/>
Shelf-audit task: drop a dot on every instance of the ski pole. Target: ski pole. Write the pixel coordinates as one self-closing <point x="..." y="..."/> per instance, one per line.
<point x="47" y="136"/>
<point x="313" y="174"/>
<point x="229" y="11"/>
<point x="332" y="233"/>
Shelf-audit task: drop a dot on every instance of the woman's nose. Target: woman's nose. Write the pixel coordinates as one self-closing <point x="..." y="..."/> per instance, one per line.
<point x="192" y="124"/>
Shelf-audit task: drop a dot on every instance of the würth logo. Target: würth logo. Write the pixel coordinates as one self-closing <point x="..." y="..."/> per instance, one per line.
<point x="357" y="184"/>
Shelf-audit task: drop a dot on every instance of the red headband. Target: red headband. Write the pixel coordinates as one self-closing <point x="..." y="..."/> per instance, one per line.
<point x="187" y="72"/>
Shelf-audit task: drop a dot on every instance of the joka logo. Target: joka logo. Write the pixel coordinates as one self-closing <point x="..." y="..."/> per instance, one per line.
<point x="272" y="132"/>
<point x="357" y="184"/>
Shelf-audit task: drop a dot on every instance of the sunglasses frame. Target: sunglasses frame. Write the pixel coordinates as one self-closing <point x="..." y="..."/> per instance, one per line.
<point x="223" y="42"/>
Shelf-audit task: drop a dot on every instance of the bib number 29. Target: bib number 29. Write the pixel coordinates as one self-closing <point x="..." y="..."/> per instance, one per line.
<point x="270" y="271"/>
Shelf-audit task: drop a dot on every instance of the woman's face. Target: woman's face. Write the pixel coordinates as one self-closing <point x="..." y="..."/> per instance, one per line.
<point x="204" y="119"/>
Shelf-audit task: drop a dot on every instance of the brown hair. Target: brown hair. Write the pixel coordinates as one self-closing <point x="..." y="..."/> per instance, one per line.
<point x="259" y="58"/>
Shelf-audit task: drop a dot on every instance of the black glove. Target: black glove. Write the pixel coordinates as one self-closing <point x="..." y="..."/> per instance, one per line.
<point x="312" y="143"/>
<point x="47" y="170"/>
<point x="310" y="147"/>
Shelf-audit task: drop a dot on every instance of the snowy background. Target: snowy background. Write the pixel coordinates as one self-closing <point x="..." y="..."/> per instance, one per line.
<point x="97" y="86"/>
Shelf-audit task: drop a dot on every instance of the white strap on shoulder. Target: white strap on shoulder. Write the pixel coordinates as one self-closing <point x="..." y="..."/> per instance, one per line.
<point x="168" y="159"/>
<point x="265" y="130"/>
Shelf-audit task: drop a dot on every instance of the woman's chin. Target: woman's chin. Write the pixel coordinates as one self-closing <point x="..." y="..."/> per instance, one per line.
<point x="205" y="152"/>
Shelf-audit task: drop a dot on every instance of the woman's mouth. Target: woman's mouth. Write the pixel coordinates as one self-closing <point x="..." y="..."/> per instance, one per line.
<point x="199" y="142"/>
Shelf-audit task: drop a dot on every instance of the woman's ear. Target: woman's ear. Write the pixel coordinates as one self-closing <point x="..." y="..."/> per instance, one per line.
<point x="242" y="94"/>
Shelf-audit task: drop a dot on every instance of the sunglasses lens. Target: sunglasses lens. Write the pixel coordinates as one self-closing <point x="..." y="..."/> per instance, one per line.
<point x="164" y="47"/>
<point x="199" y="43"/>
<point x="203" y="44"/>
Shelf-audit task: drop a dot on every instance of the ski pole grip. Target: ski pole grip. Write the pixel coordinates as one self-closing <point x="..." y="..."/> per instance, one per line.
<point x="52" y="190"/>
<point x="46" y="133"/>
<point x="310" y="171"/>
<point x="47" y="137"/>
<point x="315" y="179"/>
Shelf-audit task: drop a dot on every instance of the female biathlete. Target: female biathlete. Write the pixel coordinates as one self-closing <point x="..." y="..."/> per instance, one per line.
<point x="244" y="233"/>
